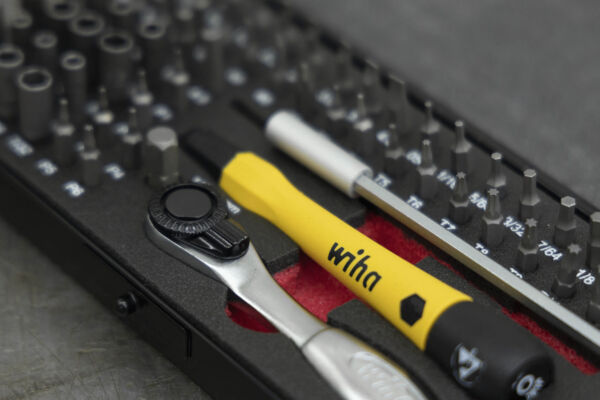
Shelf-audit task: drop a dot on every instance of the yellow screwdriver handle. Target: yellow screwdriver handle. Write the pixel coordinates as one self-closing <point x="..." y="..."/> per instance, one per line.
<point x="408" y="297"/>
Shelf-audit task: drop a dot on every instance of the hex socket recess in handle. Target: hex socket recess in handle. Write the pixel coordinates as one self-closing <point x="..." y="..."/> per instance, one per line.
<point x="190" y="222"/>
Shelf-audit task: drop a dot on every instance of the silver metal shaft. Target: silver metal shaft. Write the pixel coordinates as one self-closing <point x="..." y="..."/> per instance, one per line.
<point x="478" y="262"/>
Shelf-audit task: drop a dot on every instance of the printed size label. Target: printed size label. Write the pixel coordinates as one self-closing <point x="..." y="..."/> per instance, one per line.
<point x="19" y="146"/>
<point x="74" y="189"/>
<point x="46" y="167"/>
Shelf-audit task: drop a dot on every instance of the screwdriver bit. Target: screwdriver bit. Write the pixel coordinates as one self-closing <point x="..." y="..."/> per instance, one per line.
<point x="58" y="13"/>
<point x="122" y="14"/>
<point x="116" y="63"/>
<point x="20" y="28"/>
<point x="131" y="143"/>
<point x="176" y="81"/>
<point x="493" y="230"/>
<point x="527" y="255"/>
<point x="427" y="182"/>
<point x="395" y="160"/>
<point x="461" y="150"/>
<point x="497" y="178"/>
<point x="345" y="74"/>
<point x="593" y="245"/>
<point x="214" y="38"/>
<point x="45" y="50"/>
<point x="103" y="120"/>
<point x="142" y="99"/>
<point x="459" y="201"/>
<point x="593" y="309"/>
<point x="566" y="277"/>
<point x="154" y="42"/>
<point x="564" y="229"/>
<point x="63" y="136"/>
<point x="36" y="100"/>
<point x="73" y="67"/>
<point x="530" y="200"/>
<point x="397" y="103"/>
<point x="89" y="158"/>
<point x="11" y="60"/>
<point x="430" y="127"/>
<point x="336" y="116"/>
<point x="84" y="32"/>
<point x="372" y="89"/>
<point x="161" y="157"/>
<point x="305" y="94"/>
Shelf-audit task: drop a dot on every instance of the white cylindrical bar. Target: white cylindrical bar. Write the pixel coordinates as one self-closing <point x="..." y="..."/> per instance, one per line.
<point x="313" y="149"/>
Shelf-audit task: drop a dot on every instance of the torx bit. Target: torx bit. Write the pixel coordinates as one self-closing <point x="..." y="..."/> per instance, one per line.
<point x="131" y="143"/>
<point x="398" y="107"/>
<point x="530" y="200"/>
<point x="497" y="178"/>
<point x="593" y="309"/>
<point x="116" y="63"/>
<point x="103" y="120"/>
<point x="492" y="229"/>
<point x="63" y="136"/>
<point x="564" y="229"/>
<point x="142" y="99"/>
<point x="527" y="254"/>
<point x="593" y="245"/>
<point x="459" y="211"/>
<point x="90" y="159"/>
<point x="176" y="81"/>
<point x="161" y="157"/>
<point x="11" y="60"/>
<point x="461" y="150"/>
<point x="430" y="127"/>
<point x="427" y="181"/>
<point x="36" y="97"/>
<point x="75" y="80"/>
<point x="45" y="50"/>
<point x="566" y="277"/>
<point x="395" y="156"/>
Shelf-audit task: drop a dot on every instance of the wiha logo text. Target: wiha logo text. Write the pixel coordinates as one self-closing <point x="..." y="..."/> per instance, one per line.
<point x="360" y="269"/>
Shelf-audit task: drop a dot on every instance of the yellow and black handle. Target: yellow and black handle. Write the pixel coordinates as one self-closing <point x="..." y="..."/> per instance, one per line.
<point x="485" y="352"/>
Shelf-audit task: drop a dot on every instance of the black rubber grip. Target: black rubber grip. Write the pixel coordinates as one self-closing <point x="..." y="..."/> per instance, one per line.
<point x="488" y="354"/>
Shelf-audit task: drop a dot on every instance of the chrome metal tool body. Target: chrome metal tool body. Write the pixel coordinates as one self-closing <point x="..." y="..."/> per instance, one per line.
<point x="189" y="222"/>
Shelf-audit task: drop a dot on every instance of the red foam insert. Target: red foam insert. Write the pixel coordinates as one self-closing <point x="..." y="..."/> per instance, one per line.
<point x="319" y="292"/>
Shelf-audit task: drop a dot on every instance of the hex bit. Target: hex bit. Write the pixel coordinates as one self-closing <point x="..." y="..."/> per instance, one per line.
<point x="63" y="136"/>
<point x="530" y="200"/>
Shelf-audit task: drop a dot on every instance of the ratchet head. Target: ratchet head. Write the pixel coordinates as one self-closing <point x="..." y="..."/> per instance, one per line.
<point x="197" y="215"/>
